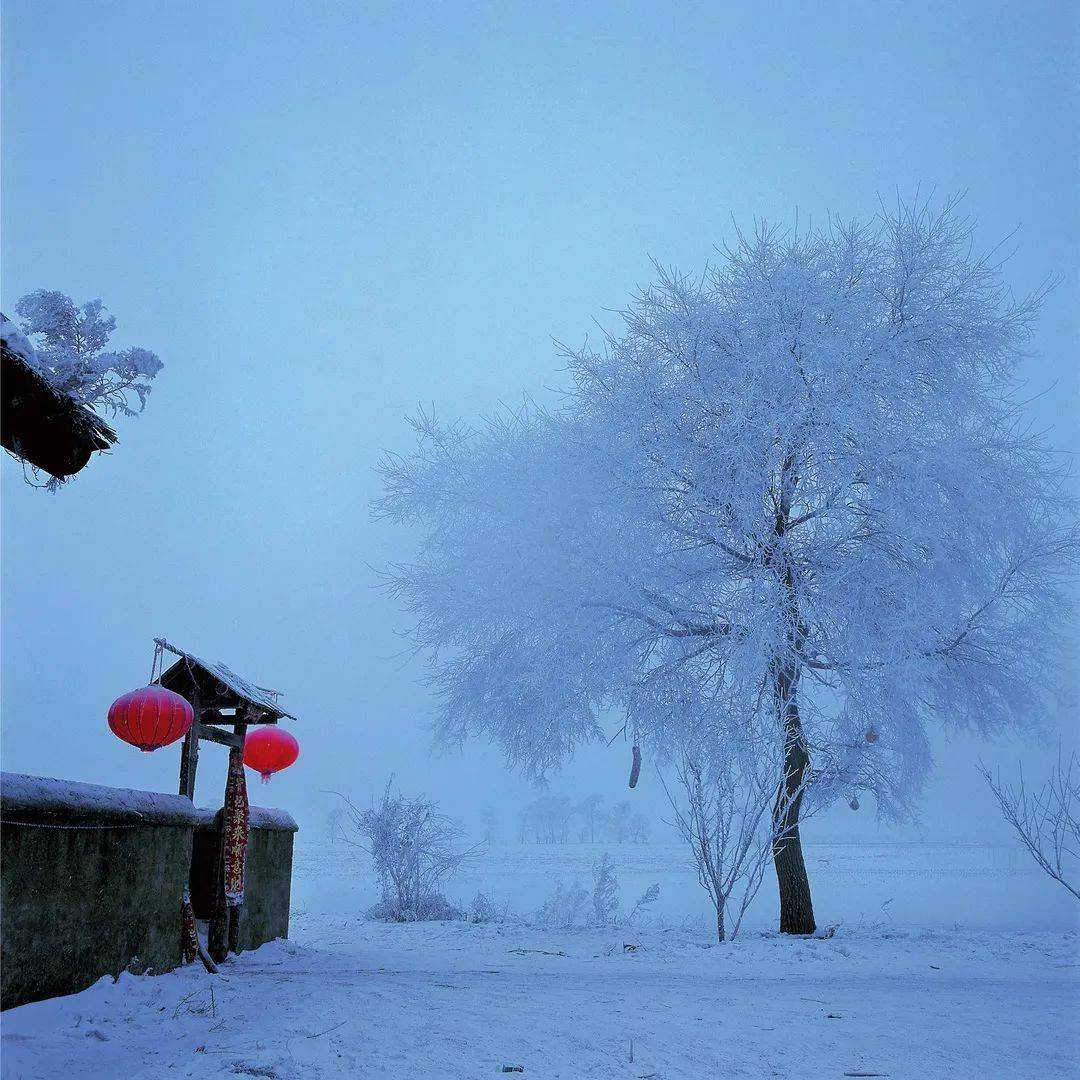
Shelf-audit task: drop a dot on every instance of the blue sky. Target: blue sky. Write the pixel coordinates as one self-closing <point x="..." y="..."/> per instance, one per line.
<point x="321" y="215"/>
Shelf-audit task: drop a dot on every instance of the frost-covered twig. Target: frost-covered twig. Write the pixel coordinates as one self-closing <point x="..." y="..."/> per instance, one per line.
<point x="645" y="900"/>
<point x="1048" y="820"/>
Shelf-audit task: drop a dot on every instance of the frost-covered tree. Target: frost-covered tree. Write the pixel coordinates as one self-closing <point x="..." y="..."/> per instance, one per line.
<point x="640" y="828"/>
<point x="796" y="494"/>
<point x="489" y="825"/>
<point x="591" y="813"/>
<point x="70" y="349"/>
<point x="564" y="908"/>
<point x="620" y="821"/>
<point x="548" y="819"/>
<point x="333" y="823"/>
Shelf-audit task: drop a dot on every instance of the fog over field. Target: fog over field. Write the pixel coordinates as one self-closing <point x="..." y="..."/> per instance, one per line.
<point x="858" y="884"/>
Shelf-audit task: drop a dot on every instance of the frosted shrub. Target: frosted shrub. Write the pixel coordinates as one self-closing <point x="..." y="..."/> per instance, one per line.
<point x="432" y="907"/>
<point x="564" y="909"/>
<point x="482" y="909"/>
<point x="605" y="896"/>
<point x="414" y="849"/>
<point x="567" y="909"/>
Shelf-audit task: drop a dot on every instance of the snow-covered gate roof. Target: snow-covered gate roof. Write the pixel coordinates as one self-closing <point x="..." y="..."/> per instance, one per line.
<point x="185" y="674"/>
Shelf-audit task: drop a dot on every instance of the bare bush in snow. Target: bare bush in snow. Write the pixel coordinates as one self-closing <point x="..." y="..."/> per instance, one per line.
<point x="1048" y="820"/>
<point x="414" y="850"/>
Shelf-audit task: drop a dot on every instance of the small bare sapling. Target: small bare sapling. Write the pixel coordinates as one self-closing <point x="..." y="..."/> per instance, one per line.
<point x="730" y="812"/>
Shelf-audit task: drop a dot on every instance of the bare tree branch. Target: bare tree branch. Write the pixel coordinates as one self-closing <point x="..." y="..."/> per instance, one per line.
<point x="1047" y="821"/>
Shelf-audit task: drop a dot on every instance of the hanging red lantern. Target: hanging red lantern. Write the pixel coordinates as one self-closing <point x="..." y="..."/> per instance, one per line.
<point x="268" y="750"/>
<point x="150" y="717"/>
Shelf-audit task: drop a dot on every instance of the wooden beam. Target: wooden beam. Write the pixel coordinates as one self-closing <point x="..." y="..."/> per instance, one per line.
<point x="224" y="738"/>
<point x="217" y="933"/>
<point x="189" y="755"/>
<point x="215" y="716"/>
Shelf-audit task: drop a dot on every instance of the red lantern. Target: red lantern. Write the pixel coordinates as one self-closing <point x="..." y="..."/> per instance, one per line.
<point x="268" y="750"/>
<point x="150" y="717"/>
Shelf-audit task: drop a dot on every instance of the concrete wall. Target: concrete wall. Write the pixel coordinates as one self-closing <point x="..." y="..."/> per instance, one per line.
<point x="92" y="877"/>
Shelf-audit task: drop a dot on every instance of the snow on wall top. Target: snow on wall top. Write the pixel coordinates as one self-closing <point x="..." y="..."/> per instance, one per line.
<point x="44" y="796"/>
<point x="38" y="797"/>
<point x="259" y="817"/>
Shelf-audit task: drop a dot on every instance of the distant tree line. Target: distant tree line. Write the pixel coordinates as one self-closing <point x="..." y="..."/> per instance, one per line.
<point x="555" y="819"/>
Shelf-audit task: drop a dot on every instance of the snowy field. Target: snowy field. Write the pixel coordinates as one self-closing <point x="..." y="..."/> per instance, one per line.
<point x="949" y="961"/>
<point x="924" y="886"/>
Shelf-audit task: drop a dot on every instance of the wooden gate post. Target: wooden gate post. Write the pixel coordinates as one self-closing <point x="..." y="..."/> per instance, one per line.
<point x="189" y="756"/>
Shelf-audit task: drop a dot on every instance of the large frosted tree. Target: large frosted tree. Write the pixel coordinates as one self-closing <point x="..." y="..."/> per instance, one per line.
<point x="793" y="501"/>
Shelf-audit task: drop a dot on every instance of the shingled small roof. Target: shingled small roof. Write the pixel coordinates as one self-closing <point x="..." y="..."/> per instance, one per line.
<point x="218" y="685"/>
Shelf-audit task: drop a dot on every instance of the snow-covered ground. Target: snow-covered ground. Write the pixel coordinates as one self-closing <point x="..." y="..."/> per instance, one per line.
<point x="889" y="994"/>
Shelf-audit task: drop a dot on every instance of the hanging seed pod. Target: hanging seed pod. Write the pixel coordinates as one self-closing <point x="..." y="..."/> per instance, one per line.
<point x="854" y="804"/>
<point x="871" y="735"/>
<point x="635" y="768"/>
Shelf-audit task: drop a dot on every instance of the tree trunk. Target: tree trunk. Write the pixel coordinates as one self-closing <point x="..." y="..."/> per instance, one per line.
<point x="796" y="905"/>
<point x="720" y="933"/>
